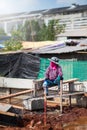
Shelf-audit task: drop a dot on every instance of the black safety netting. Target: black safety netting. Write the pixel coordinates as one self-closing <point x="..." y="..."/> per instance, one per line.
<point x="19" y="65"/>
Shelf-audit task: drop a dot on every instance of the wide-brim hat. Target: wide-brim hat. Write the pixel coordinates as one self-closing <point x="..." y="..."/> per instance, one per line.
<point x="54" y="59"/>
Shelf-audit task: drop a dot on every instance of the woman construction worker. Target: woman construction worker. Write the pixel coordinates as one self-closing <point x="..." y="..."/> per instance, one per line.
<point x="53" y="75"/>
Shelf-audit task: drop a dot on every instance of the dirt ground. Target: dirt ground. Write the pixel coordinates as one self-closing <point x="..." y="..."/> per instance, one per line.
<point x="51" y="120"/>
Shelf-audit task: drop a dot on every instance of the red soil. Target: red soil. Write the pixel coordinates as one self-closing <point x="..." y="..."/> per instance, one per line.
<point x="54" y="121"/>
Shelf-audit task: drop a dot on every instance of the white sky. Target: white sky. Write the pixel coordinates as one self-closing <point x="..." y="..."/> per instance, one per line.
<point x="16" y="6"/>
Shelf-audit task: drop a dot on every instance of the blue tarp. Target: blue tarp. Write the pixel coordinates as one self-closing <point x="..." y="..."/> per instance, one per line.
<point x="2" y="40"/>
<point x="1" y="46"/>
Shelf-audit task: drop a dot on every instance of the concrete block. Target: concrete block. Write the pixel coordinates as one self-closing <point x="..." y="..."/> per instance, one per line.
<point x="85" y="86"/>
<point x="78" y="86"/>
<point x="82" y="101"/>
<point x="34" y="103"/>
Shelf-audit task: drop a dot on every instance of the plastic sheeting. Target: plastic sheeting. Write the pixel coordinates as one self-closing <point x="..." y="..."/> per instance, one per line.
<point x="19" y="65"/>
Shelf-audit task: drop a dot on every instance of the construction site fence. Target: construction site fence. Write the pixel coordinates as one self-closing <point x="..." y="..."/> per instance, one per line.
<point x="71" y="68"/>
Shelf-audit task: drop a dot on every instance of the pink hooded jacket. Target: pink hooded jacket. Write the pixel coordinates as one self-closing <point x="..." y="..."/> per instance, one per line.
<point x="53" y="71"/>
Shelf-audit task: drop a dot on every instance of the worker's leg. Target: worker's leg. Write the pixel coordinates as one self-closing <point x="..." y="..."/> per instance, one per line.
<point x="57" y="81"/>
<point x="47" y="83"/>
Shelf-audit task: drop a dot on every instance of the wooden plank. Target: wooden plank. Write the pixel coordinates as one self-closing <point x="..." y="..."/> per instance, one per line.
<point x="64" y="100"/>
<point x="85" y="94"/>
<point x="38" y="84"/>
<point x="70" y="80"/>
<point x="65" y="95"/>
<point x="18" y="107"/>
<point x="15" y="106"/>
<point x="64" y="81"/>
<point x="16" y="94"/>
<point x="39" y="80"/>
<point x="52" y="103"/>
<point x="19" y="83"/>
<point x="3" y="126"/>
<point x="8" y="114"/>
<point x="72" y="94"/>
<point x="55" y="103"/>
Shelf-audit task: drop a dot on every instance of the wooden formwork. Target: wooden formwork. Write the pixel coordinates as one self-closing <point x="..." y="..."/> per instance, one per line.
<point x="37" y="86"/>
<point x="61" y="95"/>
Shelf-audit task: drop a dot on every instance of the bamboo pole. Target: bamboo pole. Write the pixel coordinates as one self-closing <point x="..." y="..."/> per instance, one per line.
<point x="16" y="94"/>
<point x="61" y="89"/>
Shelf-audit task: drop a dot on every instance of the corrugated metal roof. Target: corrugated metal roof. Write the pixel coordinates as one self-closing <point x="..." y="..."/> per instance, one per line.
<point x="66" y="9"/>
<point x="48" y="11"/>
<point x="55" y="10"/>
<point x="37" y="11"/>
<point x="59" y="48"/>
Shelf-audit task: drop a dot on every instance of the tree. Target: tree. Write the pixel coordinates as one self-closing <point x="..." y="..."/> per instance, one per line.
<point x="12" y="45"/>
<point x="43" y="33"/>
<point x="2" y="32"/>
<point x="54" y="28"/>
<point x="49" y="32"/>
<point x="34" y="31"/>
<point x="31" y="29"/>
<point x="18" y="34"/>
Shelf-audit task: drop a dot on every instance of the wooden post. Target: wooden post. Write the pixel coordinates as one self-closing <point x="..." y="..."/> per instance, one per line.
<point x="70" y="91"/>
<point x="61" y="89"/>
<point x="35" y="89"/>
<point x="45" y="106"/>
<point x="10" y="93"/>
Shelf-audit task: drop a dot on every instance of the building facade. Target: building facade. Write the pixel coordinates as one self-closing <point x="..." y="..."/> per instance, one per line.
<point x="74" y="18"/>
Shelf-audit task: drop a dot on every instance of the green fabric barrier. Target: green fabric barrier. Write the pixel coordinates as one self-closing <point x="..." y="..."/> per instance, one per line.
<point x="71" y="68"/>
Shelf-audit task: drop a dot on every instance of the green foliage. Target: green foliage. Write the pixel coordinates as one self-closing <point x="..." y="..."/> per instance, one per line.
<point x="31" y="29"/>
<point x="18" y="34"/>
<point x="54" y="28"/>
<point x="2" y="32"/>
<point x="50" y="31"/>
<point x="12" y="45"/>
<point x="35" y="31"/>
<point x="43" y="33"/>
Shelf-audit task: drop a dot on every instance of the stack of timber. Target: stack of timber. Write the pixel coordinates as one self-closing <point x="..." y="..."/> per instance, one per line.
<point x="10" y="115"/>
